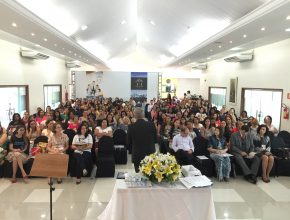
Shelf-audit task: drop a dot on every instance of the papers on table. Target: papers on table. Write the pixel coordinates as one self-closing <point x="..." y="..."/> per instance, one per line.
<point x="202" y="157"/>
<point x="195" y="181"/>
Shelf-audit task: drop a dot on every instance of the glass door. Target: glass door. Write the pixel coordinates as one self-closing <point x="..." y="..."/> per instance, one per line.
<point x="52" y="96"/>
<point x="14" y="99"/>
<point x="217" y="96"/>
<point x="262" y="102"/>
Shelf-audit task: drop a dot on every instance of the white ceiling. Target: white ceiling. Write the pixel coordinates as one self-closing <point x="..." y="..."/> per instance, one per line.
<point x="144" y="34"/>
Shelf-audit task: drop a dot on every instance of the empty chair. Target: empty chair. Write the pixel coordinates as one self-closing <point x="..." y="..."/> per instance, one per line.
<point x="285" y="135"/>
<point x="105" y="160"/>
<point x="120" y="142"/>
<point x="281" y="153"/>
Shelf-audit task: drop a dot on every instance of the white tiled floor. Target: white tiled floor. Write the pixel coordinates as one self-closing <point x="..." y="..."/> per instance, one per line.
<point x="43" y="195"/>
<point x="276" y="190"/>
<point x="226" y="195"/>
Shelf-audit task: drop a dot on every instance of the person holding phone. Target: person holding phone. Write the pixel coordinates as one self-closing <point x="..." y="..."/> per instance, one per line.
<point x="263" y="147"/>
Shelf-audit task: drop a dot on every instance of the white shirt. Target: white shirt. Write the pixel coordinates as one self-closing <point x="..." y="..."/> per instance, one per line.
<point x="182" y="143"/>
<point x="106" y="130"/>
<point x="80" y="139"/>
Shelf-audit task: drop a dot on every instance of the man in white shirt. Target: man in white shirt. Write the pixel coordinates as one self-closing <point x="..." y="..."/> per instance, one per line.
<point x="183" y="146"/>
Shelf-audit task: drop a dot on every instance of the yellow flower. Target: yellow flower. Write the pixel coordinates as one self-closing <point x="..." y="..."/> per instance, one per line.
<point x="159" y="176"/>
<point x="147" y="169"/>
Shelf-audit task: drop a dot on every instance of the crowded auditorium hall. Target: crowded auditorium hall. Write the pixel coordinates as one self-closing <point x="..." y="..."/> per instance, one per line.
<point x="144" y="110"/>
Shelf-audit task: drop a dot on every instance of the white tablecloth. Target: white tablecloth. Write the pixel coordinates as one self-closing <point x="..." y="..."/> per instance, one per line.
<point x="158" y="203"/>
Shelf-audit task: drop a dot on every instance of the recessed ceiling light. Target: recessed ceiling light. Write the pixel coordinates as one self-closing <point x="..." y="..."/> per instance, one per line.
<point x="125" y="39"/>
<point x="55" y="45"/>
<point x="75" y="54"/>
<point x="32" y="34"/>
<point x="45" y="39"/>
<point x="62" y="55"/>
<point x="63" y="48"/>
<point x="69" y="51"/>
<point x="14" y="24"/>
<point x="288" y="29"/>
<point x="37" y="45"/>
<point x="80" y="56"/>
<point x="211" y="50"/>
<point x="220" y="46"/>
<point x="288" y="17"/>
<point x="152" y="22"/>
<point x="123" y="22"/>
<point x="235" y="49"/>
<point x="231" y="42"/>
<point x="263" y="29"/>
<point x="208" y="58"/>
<point x="84" y="27"/>
<point x="244" y="36"/>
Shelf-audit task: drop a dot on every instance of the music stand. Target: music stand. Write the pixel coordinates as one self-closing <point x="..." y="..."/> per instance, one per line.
<point x="50" y="165"/>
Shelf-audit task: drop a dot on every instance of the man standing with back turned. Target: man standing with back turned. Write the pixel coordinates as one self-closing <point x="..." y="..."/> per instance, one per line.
<point x="142" y="136"/>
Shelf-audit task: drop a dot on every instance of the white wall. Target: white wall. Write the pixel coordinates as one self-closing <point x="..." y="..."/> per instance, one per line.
<point x="269" y="69"/>
<point x="115" y="84"/>
<point x="15" y="70"/>
<point x="193" y="85"/>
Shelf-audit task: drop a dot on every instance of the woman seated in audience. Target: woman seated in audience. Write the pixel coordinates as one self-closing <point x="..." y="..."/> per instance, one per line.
<point x="215" y="120"/>
<point x="207" y="130"/>
<point x="112" y="122"/>
<point x="103" y="130"/>
<point x="3" y="144"/>
<point x="91" y="121"/>
<point x="48" y="130"/>
<point x="175" y="129"/>
<point x="18" y="147"/>
<point x="217" y="147"/>
<point x="263" y="147"/>
<point x="229" y="129"/>
<point x="185" y="114"/>
<point x="16" y="121"/>
<point x="33" y="131"/>
<point x="84" y="116"/>
<point x="233" y="115"/>
<point x="244" y="117"/>
<point x="82" y="144"/>
<point x="48" y="109"/>
<point x="56" y="116"/>
<point x="166" y="128"/>
<point x="170" y="113"/>
<point x="40" y="116"/>
<point x="124" y="123"/>
<point x="271" y="127"/>
<point x="25" y="118"/>
<point x="196" y="124"/>
<point x="58" y="143"/>
<point x="74" y="125"/>
<point x="201" y="115"/>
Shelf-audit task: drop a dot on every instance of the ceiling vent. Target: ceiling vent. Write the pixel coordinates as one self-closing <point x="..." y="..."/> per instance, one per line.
<point x="72" y="64"/>
<point x="33" y="55"/>
<point x="240" y="58"/>
<point x="202" y="66"/>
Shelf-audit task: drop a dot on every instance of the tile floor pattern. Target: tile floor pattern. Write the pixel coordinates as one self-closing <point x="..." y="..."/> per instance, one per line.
<point x="236" y="200"/>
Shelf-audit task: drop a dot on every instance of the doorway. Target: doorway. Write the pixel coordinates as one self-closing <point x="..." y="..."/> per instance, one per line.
<point x="217" y="96"/>
<point x="262" y="102"/>
<point x="14" y="99"/>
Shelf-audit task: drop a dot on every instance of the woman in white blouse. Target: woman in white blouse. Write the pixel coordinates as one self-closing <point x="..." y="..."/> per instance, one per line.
<point x="82" y="144"/>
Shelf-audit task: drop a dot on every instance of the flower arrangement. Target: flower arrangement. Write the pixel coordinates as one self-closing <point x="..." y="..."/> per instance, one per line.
<point x="160" y="167"/>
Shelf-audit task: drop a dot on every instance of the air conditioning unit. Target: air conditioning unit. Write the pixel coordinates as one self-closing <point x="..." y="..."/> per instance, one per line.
<point x="240" y="58"/>
<point x="72" y="64"/>
<point x="200" y="67"/>
<point x="33" y="55"/>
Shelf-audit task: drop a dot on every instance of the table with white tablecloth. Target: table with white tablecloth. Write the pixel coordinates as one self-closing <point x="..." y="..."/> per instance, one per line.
<point x="168" y="202"/>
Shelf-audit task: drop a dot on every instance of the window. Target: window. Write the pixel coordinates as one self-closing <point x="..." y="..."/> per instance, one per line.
<point x="52" y="95"/>
<point x="14" y="99"/>
<point x="262" y="102"/>
<point x="217" y="96"/>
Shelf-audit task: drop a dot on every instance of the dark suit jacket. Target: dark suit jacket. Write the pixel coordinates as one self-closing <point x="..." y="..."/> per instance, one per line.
<point x="142" y="136"/>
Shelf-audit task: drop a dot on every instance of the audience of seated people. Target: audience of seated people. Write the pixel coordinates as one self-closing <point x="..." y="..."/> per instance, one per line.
<point x="175" y="120"/>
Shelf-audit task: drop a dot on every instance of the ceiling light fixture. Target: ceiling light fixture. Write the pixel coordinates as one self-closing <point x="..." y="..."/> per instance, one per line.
<point x="123" y="22"/>
<point x="69" y="51"/>
<point x="125" y="39"/>
<point x="231" y="42"/>
<point x="45" y="39"/>
<point x="152" y="22"/>
<point x="244" y="36"/>
<point x="208" y="58"/>
<point x="263" y="29"/>
<point x="84" y="27"/>
<point x="55" y="45"/>
<point x="211" y="50"/>
<point x="14" y="24"/>
<point x="75" y="54"/>
<point x="220" y="46"/>
<point x="37" y="45"/>
<point x="32" y="34"/>
<point x="288" y="29"/>
<point x="288" y="17"/>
